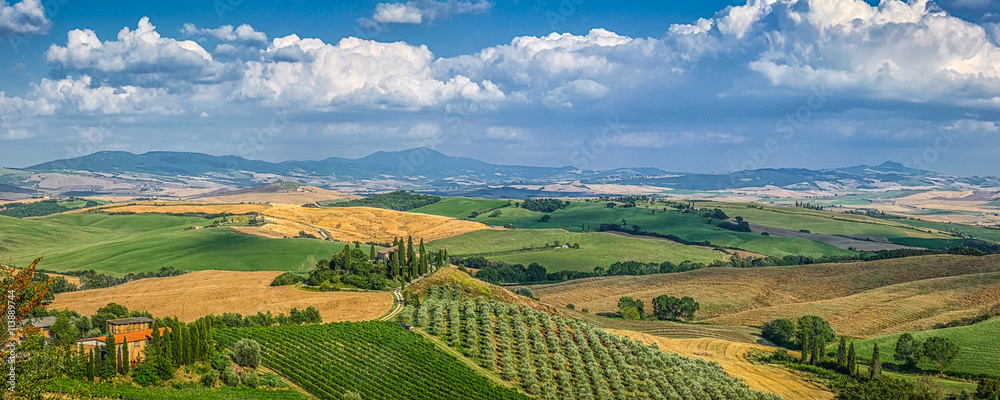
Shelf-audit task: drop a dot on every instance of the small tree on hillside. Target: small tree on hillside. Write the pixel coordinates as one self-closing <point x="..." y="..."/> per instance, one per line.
<point x="780" y="331"/>
<point x="246" y="353"/>
<point x="908" y="351"/>
<point x="842" y="352"/>
<point x="942" y="351"/>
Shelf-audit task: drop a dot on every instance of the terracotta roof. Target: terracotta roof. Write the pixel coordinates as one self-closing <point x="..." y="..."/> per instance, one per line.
<point x="131" y="336"/>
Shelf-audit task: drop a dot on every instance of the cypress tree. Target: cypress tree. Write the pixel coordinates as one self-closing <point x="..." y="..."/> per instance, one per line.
<point x="90" y="365"/>
<point x="125" y="357"/>
<point x="110" y="366"/>
<point x="876" y="363"/>
<point x="423" y="257"/>
<point x="176" y="348"/>
<point x="842" y="352"/>
<point x="410" y="253"/>
<point x="397" y="268"/>
<point x="165" y="364"/>
<point x="188" y="344"/>
<point x="153" y="347"/>
<point x="371" y="253"/>
<point x="852" y="361"/>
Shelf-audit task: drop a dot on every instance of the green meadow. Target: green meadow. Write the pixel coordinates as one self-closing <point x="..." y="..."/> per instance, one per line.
<point x="980" y="349"/>
<point x="121" y="244"/>
<point x="597" y="249"/>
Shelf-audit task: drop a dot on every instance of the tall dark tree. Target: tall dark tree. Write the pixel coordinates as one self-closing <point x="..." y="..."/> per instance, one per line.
<point x="110" y="366"/>
<point x="165" y="366"/>
<point x="188" y="344"/>
<point x="814" y="334"/>
<point x="411" y="254"/>
<point x="876" y="363"/>
<point x="91" y="364"/>
<point x="423" y="257"/>
<point x="126" y="360"/>
<point x="852" y="361"/>
<point x="176" y="344"/>
<point x="842" y="352"/>
<point x="371" y="252"/>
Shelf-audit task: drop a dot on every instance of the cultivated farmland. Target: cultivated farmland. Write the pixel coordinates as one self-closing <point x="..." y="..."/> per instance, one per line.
<point x="196" y="294"/>
<point x="557" y="359"/>
<point x="379" y="360"/>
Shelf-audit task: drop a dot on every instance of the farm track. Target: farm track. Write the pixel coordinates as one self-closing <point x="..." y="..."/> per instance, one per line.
<point x="732" y="357"/>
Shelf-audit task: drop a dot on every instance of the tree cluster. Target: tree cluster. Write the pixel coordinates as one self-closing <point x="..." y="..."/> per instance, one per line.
<point x="399" y="200"/>
<point x="544" y="205"/>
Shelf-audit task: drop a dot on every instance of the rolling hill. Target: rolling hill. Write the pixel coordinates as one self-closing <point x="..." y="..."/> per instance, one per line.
<point x="863" y="299"/>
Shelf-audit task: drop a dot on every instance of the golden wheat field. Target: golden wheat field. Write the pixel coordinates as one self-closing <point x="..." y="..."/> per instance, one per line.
<point x="859" y="299"/>
<point x="365" y="224"/>
<point x="163" y="207"/>
<point x="732" y="357"/>
<point x="200" y="293"/>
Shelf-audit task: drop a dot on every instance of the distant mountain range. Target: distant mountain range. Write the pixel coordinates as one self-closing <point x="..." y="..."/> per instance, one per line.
<point x="427" y="169"/>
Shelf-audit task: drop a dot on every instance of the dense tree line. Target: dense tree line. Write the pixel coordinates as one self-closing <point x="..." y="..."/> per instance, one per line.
<point x="544" y="205"/>
<point x="874" y="214"/>
<point x="637" y="230"/>
<point x="39" y="208"/>
<point x="295" y="317"/>
<point x="399" y="200"/>
<point x="90" y="279"/>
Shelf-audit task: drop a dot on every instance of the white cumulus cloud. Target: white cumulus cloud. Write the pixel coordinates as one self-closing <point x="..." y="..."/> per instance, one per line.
<point x="25" y="18"/>
<point x="421" y="11"/>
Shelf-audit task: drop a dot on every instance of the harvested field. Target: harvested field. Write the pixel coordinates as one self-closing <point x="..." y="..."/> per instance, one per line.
<point x="160" y="207"/>
<point x="365" y="224"/>
<point x="859" y="299"/>
<point x="280" y="195"/>
<point x="200" y="293"/>
<point x="732" y="357"/>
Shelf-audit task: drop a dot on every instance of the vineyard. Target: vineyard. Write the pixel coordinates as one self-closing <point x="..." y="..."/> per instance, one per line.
<point x="556" y="358"/>
<point x="379" y="360"/>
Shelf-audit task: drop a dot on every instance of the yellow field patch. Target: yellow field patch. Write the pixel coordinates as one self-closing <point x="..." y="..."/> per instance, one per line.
<point x="196" y="294"/>
<point x="365" y="224"/>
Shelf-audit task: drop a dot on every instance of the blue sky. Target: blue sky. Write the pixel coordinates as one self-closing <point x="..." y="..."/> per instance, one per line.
<point x="707" y="86"/>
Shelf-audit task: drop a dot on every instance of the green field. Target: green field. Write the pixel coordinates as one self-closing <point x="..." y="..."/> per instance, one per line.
<point x="379" y="360"/>
<point x="461" y="207"/>
<point x="596" y="248"/>
<point x="87" y="389"/>
<point x="980" y="347"/>
<point x="134" y="243"/>
<point x="590" y="215"/>
<point x="794" y="218"/>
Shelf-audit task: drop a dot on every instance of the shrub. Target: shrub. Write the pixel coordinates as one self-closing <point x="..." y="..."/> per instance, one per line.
<point x="220" y="361"/>
<point x="210" y="378"/>
<point x="523" y="291"/>
<point x="145" y="374"/>
<point x="286" y="278"/>
<point x="271" y="380"/>
<point x="571" y="306"/>
<point x="585" y="310"/>
<point x="246" y="353"/>
<point x="349" y="395"/>
<point x="250" y="379"/>
<point x="230" y="378"/>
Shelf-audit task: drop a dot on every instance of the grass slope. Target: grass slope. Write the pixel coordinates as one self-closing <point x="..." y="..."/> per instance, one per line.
<point x="122" y="244"/>
<point x="978" y="343"/>
<point x="590" y="215"/>
<point x="380" y="360"/>
<point x="460" y="207"/>
<point x="596" y="249"/>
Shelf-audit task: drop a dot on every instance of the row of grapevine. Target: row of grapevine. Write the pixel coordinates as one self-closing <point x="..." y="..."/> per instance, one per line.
<point x="556" y="358"/>
<point x="378" y="360"/>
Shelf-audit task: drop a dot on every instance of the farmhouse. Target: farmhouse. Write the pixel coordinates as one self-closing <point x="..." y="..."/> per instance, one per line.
<point x="136" y="331"/>
<point x="42" y="324"/>
<point x="382" y="257"/>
